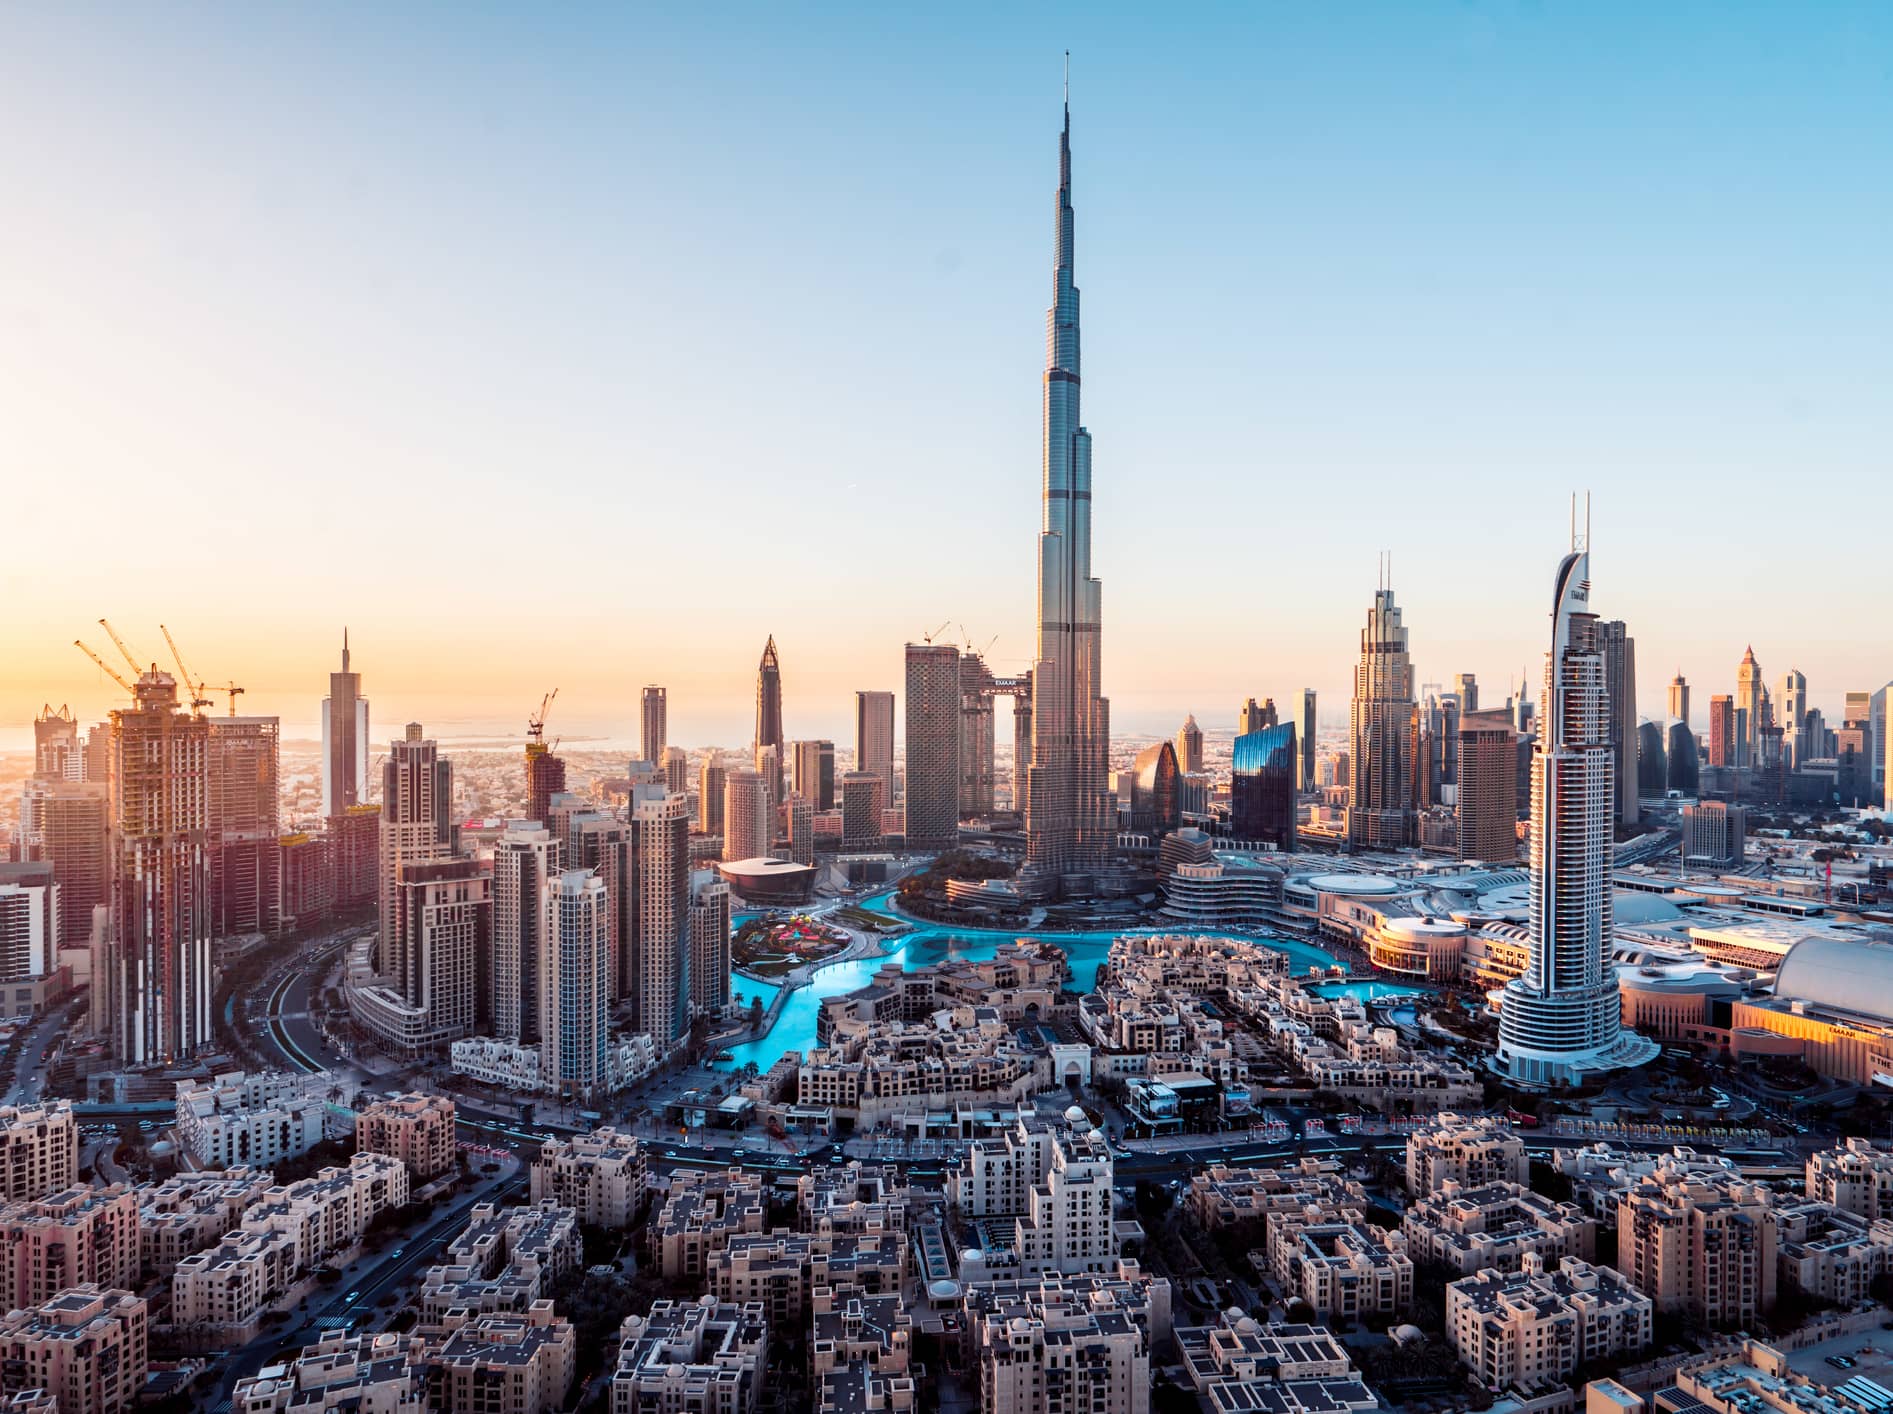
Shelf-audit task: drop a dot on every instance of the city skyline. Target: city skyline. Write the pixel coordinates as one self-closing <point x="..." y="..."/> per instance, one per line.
<point x="1643" y="331"/>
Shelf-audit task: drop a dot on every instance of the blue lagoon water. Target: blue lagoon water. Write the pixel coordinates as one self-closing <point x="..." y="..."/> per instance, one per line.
<point x="795" y="1024"/>
<point x="1366" y="991"/>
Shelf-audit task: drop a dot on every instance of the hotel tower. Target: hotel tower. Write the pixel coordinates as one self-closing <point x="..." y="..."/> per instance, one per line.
<point x="1562" y="1020"/>
<point x="1070" y="816"/>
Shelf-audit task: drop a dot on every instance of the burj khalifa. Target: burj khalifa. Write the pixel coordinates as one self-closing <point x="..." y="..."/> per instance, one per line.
<point x="1070" y="815"/>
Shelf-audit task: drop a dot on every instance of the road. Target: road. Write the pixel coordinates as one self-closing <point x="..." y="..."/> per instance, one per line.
<point x="367" y="1279"/>
<point x="34" y="1044"/>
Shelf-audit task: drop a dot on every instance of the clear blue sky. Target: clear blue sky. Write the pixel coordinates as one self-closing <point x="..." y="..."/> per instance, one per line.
<point x="594" y="344"/>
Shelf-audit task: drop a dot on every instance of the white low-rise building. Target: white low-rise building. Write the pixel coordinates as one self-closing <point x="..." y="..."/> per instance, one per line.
<point x="260" y="1120"/>
<point x="509" y="1065"/>
<point x="1533" y="1327"/>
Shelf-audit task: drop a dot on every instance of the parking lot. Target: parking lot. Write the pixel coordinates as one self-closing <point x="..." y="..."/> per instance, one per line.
<point x="1871" y="1352"/>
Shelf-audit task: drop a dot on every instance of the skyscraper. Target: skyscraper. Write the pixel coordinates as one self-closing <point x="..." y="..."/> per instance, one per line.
<point x="749" y="827"/>
<point x="1249" y="717"/>
<point x="710" y="779"/>
<point x="76" y="839"/>
<point x="1721" y="730"/>
<point x="1681" y="760"/>
<point x="56" y="753"/>
<point x="814" y="773"/>
<point x="1488" y="787"/>
<point x="1466" y="685"/>
<point x="1794" y="711"/>
<point x="575" y="1005"/>
<point x="545" y="778"/>
<point x="1190" y="745"/>
<point x="933" y="746"/>
<point x="1562" y="1020"/>
<point x="245" y="767"/>
<point x="769" y="714"/>
<point x="1262" y="786"/>
<point x="1305" y="776"/>
<point x="1679" y="699"/>
<point x="676" y="768"/>
<point x="1156" y="804"/>
<point x="159" y="983"/>
<point x="1652" y="760"/>
<point x="1749" y="694"/>
<point x="862" y="800"/>
<point x="709" y="942"/>
<point x="525" y="859"/>
<point x="344" y="740"/>
<point x="652" y="719"/>
<point x="1070" y="818"/>
<point x="1380" y="806"/>
<point x="417" y="789"/>
<point x="29" y="920"/>
<point x="1620" y="681"/>
<point x="655" y="958"/>
<point x="874" y="738"/>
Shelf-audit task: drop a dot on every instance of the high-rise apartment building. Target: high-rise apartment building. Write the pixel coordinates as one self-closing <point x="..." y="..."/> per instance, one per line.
<point x="710" y="785"/>
<point x="440" y="987"/>
<point x="245" y="823"/>
<point x="654" y="725"/>
<point x="1070" y="819"/>
<point x="1794" y="711"/>
<point x="575" y="1001"/>
<point x="861" y="805"/>
<point x="526" y="858"/>
<point x="749" y="817"/>
<point x="157" y="990"/>
<point x="769" y="714"/>
<point x="1679" y="700"/>
<point x="933" y="746"/>
<point x="675" y="765"/>
<point x="1466" y="687"/>
<point x="1262" y="806"/>
<point x="1305" y="777"/>
<point x="355" y="855"/>
<point x="814" y="772"/>
<point x="1749" y="695"/>
<point x="56" y="752"/>
<point x="344" y="740"/>
<point x="655" y="957"/>
<point x="874" y="738"/>
<point x="1380" y="811"/>
<point x="798" y="818"/>
<point x="417" y="789"/>
<point x="29" y="920"/>
<point x="1562" y="1020"/>
<point x="1698" y="1245"/>
<point x="545" y="778"/>
<point x="1722" y="743"/>
<point x="75" y="837"/>
<point x="39" y="1150"/>
<point x="1620" y="682"/>
<point x="600" y="841"/>
<point x="1488" y="787"/>
<point x="1715" y="835"/>
<point x="709" y="943"/>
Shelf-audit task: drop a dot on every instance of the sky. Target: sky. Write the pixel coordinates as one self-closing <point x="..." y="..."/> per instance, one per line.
<point x="588" y="346"/>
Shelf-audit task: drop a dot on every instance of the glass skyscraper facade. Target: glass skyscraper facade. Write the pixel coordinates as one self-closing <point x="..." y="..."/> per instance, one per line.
<point x="1262" y="786"/>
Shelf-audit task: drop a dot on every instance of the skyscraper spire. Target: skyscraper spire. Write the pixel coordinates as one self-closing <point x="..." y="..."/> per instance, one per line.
<point x="1070" y="820"/>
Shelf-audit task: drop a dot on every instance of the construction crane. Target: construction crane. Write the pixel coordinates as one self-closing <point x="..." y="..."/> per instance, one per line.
<point x="929" y="637"/>
<point x="104" y="624"/>
<point x="536" y="726"/>
<point x="104" y="667"/>
<point x="233" y="690"/>
<point x="192" y="686"/>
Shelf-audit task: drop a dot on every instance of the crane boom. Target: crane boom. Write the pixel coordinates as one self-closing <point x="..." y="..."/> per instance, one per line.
<point x="104" y="667"/>
<point x="104" y="624"/>
<point x="192" y="687"/>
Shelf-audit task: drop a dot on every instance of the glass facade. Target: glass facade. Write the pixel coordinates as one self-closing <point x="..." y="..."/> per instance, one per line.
<point x="1262" y="786"/>
<point x="1156" y="786"/>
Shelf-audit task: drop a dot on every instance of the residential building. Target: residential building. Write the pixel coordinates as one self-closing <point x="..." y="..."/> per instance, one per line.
<point x="517" y="1363"/>
<point x="1620" y="690"/>
<point x="1699" y="1245"/>
<point x="863" y="794"/>
<point x="874" y="740"/>
<point x="1488" y="787"/>
<point x="654" y="725"/>
<point x="1051" y="1186"/>
<point x="1340" y="1265"/>
<point x="709" y="943"/>
<point x="360" y="1372"/>
<point x="601" y="1176"/>
<point x="66" y="1239"/>
<point x="749" y="816"/>
<point x="698" y="1357"/>
<point x="701" y="1213"/>
<point x="75" y="837"/>
<point x="1495" y="1227"/>
<point x="1533" y="1327"/>
<point x="330" y="1211"/>
<point x="654" y="957"/>
<point x="191" y="1211"/>
<point x="1468" y="1152"/>
<point x="861" y="1353"/>
<point x="575" y="975"/>
<point x="813" y="765"/>
<point x="1722" y="730"/>
<point x="1284" y="1368"/>
<point x="1856" y="1177"/>
<point x="86" y="1347"/>
<point x="416" y="1129"/>
<point x="237" y="1119"/>
<point x="526" y="858"/>
<point x="1829" y="1254"/>
<point x="245" y="823"/>
<point x="220" y="1293"/>
<point x="1714" y="835"/>
<point x="1058" y="1344"/>
<point x="933" y="746"/>
<point x="444" y="920"/>
<point x="39" y="1150"/>
<point x="417" y="788"/>
<point x="711" y="778"/>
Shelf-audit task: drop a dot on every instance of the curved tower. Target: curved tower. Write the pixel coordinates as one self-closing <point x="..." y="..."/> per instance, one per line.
<point x="1070" y="816"/>
<point x="1562" y="1020"/>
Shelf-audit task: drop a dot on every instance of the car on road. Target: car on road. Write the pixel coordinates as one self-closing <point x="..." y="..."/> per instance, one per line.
<point x="396" y="1253"/>
<point x="351" y="1298"/>
<point x="1841" y="1362"/>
